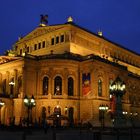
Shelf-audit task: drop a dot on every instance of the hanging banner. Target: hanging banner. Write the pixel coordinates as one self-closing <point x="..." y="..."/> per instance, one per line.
<point x="86" y="84"/>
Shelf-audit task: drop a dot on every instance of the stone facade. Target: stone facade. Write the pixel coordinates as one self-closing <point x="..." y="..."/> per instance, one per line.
<point x="84" y="63"/>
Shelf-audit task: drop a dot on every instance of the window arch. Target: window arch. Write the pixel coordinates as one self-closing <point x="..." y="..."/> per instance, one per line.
<point x="70" y="86"/>
<point x="57" y="110"/>
<point x="11" y="84"/>
<point x="45" y="85"/>
<point x="58" y="85"/>
<point x="99" y="87"/>
<point x="19" y="85"/>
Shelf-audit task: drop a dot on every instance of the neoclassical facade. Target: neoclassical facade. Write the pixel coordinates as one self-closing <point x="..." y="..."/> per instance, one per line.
<point x="67" y="69"/>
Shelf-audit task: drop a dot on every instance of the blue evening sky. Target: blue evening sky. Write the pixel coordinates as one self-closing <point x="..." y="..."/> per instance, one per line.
<point x="118" y="19"/>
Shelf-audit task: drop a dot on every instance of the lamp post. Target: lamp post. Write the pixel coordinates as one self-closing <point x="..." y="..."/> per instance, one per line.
<point x="1" y="105"/>
<point x="102" y="109"/>
<point x="118" y="89"/>
<point x="29" y="103"/>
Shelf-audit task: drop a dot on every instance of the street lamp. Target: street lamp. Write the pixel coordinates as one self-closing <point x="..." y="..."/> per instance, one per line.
<point x="1" y="105"/>
<point x="29" y="103"/>
<point x="118" y="89"/>
<point x="102" y="109"/>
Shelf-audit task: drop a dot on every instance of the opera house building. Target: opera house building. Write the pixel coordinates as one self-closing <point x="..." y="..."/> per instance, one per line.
<point x="62" y="74"/>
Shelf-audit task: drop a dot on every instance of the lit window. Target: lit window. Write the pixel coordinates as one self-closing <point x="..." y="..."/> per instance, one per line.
<point x="45" y="85"/>
<point x="58" y="86"/>
<point x="57" y="111"/>
<point x="99" y="87"/>
<point x="110" y="82"/>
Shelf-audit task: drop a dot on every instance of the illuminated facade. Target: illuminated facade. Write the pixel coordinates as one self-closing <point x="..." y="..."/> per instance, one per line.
<point x="67" y="67"/>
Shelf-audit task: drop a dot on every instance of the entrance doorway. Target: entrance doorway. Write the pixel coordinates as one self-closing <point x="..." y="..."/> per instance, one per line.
<point x="70" y="116"/>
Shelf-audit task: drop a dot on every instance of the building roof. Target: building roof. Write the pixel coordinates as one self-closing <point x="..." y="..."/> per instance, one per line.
<point x="104" y="38"/>
<point x="5" y="59"/>
<point x="50" y="28"/>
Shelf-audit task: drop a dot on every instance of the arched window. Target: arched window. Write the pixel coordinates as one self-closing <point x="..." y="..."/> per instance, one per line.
<point x="110" y="82"/>
<point x="99" y="87"/>
<point x="11" y="84"/>
<point x="57" y="110"/>
<point x="4" y="86"/>
<point x="45" y="85"/>
<point x="70" y="86"/>
<point x="19" y="84"/>
<point x="58" y="85"/>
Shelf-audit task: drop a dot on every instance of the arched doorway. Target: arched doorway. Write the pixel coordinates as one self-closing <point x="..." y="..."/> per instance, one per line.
<point x="43" y="115"/>
<point x="57" y="113"/>
<point x="70" y="116"/>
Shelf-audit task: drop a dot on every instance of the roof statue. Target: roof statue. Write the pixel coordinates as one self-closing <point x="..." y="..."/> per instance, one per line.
<point x="43" y="19"/>
<point x="70" y="19"/>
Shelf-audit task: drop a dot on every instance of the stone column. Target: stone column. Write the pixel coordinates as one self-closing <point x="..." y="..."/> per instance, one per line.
<point x="7" y="82"/>
<point x="16" y="82"/>
<point x="0" y="83"/>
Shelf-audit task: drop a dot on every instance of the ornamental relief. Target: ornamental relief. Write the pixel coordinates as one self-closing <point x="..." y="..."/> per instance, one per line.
<point x="45" y="72"/>
<point x="132" y="88"/>
<point x="39" y="32"/>
<point x="134" y="99"/>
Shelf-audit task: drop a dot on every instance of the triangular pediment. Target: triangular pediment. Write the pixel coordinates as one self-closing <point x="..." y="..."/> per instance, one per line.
<point x="5" y="59"/>
<point x="41" y="30"/>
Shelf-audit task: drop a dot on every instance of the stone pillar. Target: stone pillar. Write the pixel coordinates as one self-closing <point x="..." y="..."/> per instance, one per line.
<point x="16" y="83"/>
<point x="65" y="83"/>
<point x="7" y="82"/>
<point x="1" y="83"/>
<point x="23" y="89"/>
<point x="51" y="83"/>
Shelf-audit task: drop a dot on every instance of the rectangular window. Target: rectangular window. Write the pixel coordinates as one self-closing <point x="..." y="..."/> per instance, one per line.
<point x="27" y="49"/>
<point x="52" y="41"/>
<point x="35" y="47"/>
<point x="20" y="51"/>
<point x="43" y="44"/>
<point x="39" y="45"/>
<point x="62" y="38"/>
<point x="15" y="48"/>
<point x="57" y="39"/>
